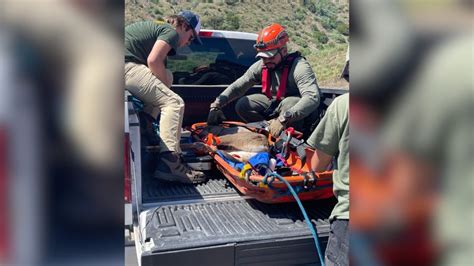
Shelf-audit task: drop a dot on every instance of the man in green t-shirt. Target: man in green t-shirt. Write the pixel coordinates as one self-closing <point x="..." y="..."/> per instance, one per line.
<point x="428" y="144"/>
<point x="290" y="94"/>
<point x="147" y="45"/>
<point x="331" y="138"/>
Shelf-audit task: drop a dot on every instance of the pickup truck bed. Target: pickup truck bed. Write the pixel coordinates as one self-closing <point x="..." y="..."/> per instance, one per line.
<point x="211" y="224"/>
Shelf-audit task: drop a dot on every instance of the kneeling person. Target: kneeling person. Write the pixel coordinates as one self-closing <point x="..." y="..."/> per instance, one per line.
<point x="290" y="94"/>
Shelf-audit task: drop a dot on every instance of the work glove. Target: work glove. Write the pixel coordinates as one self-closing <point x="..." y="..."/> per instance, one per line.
<point x="275" y="127"/>
<point x="216" y="116"/>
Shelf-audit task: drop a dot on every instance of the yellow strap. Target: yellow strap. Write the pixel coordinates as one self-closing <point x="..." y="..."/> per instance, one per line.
<point x="244" y="170"/>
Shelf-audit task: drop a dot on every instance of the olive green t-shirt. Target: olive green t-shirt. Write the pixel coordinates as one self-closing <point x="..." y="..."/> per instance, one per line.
<point x="301" y="82"/>
<point x="331" y="136"/>
<point x="434" y="123"/>
<point x="141" y="36"/>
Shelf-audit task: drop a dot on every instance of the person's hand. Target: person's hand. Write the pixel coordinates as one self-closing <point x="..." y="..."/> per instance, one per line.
<point x="275" y="127"/>
<point x="216" y="116"/>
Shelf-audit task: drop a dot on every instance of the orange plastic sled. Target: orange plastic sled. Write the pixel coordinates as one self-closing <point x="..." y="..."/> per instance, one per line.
<point x="308" y="186"/>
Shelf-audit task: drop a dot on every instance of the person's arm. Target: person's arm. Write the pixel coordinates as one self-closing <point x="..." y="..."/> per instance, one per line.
<point x="325" y="140"/>
<point x="320" y="161"/>
<point x="156" y="60"/>
<point x="239" y="87"/>
<point x="305" y="79"/>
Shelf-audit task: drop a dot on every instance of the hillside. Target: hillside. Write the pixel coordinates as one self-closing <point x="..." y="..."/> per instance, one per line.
<point x="317" y="28"/>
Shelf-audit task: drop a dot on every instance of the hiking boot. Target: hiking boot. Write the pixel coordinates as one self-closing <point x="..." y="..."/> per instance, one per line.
<point x="177" y="170"/>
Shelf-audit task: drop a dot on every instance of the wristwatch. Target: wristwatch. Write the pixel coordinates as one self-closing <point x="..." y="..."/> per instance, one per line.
<point x="215" y="105"/>
<point x="285" y="117"/>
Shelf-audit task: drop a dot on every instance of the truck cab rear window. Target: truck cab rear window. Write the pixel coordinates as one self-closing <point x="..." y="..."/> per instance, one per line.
<point x="219" y="61"/>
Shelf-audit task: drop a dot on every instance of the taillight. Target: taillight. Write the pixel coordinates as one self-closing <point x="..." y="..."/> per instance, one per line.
<point x="205" y="33"/>
<point x="4" y="232"/>
<point x="127" y="171"/>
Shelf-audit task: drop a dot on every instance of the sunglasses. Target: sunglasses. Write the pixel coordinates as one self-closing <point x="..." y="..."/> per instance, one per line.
<point x="268" y="58"/>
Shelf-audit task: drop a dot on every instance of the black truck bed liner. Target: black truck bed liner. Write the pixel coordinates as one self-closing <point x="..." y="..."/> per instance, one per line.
<point x="220" y="227"/>
<point x="156" y="191"/>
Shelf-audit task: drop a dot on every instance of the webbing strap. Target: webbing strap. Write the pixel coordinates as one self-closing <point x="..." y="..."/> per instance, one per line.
<point x="212" y="140"/>
<point x="282" y="89"/>
<point x="266" y="81"/>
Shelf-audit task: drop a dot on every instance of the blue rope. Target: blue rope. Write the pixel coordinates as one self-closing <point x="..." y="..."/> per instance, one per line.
<point x="272" y="175"/>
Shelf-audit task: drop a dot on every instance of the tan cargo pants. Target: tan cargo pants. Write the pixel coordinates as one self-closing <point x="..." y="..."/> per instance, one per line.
<point x="158" y="99"/>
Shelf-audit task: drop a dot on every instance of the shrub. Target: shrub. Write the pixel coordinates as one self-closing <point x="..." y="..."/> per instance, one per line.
<point x="299" y="15"/>
<point x="231" y="2"/>
<point x="215" y="22"/>
<point x="232" y="22"/>
<point x="339" y="38"/>
<point x="312" y="8"/>
<point x="328" y="23"/>
<point x="304" y="44"/>
<point x="325" y="8"/>
<point x="299" y="41"/>
<point x="157" y="11"/>
<point x="321" y="37"/>
<point x="305" y="51"/>
<point x="343" y="28"/>
<point x="314" y="28"/>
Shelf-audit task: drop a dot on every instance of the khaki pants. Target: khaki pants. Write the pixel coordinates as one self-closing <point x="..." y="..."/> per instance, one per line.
<point x="158" y="99"/>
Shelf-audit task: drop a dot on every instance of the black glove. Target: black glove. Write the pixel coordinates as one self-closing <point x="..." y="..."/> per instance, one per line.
<point x="216" y="116"/>
<point x="271" y="112"/>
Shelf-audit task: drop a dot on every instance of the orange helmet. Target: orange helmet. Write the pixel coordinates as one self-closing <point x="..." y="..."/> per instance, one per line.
<point x="270" y="39"/>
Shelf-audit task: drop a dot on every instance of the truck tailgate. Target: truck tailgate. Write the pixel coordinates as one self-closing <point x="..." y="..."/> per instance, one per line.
<point x="211" y="224"/>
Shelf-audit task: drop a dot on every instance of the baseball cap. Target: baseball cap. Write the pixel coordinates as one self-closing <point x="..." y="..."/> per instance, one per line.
<point x="194" y="21"/>
<point x="267" y="54"/>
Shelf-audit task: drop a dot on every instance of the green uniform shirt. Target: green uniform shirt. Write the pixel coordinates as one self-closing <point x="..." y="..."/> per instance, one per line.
<point x="434" y="122"/>
<point x="301" y="82"/>
<point x="141" y="36"/>
<point x="331" y="136"/>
